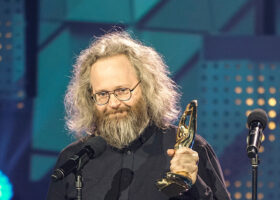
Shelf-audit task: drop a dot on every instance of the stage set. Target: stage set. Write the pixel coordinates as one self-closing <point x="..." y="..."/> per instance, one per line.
<point x="223" y="53"/>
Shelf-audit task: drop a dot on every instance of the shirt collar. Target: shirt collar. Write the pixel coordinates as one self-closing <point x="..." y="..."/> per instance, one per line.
<point x="134" y="145"/>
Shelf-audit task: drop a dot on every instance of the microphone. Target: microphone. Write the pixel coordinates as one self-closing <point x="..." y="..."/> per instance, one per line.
<point x="93" y="148"/>
<point x="256" y="121"/>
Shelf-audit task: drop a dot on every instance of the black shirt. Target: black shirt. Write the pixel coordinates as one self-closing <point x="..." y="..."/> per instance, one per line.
<point x="131" y="173"/>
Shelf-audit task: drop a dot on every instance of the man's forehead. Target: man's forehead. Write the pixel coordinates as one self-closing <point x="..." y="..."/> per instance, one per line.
<point x="112" y="72"/>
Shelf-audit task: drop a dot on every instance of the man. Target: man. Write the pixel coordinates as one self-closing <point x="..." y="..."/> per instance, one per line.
<point x="121" y="91"/>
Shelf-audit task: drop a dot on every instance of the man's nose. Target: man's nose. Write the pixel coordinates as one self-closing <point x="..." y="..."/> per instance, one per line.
<point x="113" y="101"/>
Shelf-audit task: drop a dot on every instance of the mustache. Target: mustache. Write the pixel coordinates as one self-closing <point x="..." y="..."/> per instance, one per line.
<point x="119" y="110"/>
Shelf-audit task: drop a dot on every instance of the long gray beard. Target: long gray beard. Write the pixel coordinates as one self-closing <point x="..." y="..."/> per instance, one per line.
<point x="121" y="131"/>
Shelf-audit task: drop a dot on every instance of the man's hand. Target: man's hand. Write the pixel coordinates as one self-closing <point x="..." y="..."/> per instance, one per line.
<point x="184" y="160"/>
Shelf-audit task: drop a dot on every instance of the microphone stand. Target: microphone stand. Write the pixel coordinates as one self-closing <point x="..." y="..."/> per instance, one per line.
<point x="255" y="162"/>
<point x="79" y="181"/>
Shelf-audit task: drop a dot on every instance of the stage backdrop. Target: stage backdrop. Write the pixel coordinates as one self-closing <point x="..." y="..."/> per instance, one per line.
<point x="225" y="54"/>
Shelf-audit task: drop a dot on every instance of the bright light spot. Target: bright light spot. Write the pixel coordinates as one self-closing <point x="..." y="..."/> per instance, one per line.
<point x="237" y="102"/>
<point x="261" y="90"/>
<point x="271" y="125"/>
<point x="248" y="184"/>
<point x="272" y="114"/>
<point x="238" y="90"/>
<point x="248" y="195"/>
<point x="263" y="137"/>
<point x="8" y="35"/>
<point x="261" y="150"/>
<point x="20" y="105"/>
<point x="272" y="90"/>
<point x="6" y="191"/>
<point x="250" y="78"/>
<point x="237" y="184"/>
<point x="248" y="112"/>
<point x="237" y="195"/>
<point x="249" y="101"/>
<point x="271" y="138"/>
<point x="272" y="101"/>
<point x="227" y="183"/>
<point x="260" y="196"/>
<point x="261" y="102"/>
<point x="249" y="90"/>
<point x="261" y="78"/>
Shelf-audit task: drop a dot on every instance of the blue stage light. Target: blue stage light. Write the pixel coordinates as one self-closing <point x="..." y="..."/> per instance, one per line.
<point x="6" y="188"/>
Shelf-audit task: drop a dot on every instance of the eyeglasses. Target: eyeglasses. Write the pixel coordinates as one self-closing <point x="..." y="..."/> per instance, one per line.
<point x="122" y="94"/>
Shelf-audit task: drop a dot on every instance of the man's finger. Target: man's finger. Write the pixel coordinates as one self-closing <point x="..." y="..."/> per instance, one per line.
<point x="170" y="152"/>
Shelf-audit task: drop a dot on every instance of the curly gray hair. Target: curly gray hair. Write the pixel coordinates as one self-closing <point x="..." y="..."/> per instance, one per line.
<point x="159" y="91"/>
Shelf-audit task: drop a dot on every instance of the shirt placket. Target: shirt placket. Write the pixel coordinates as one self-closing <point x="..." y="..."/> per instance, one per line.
<point x="126" y="175"/>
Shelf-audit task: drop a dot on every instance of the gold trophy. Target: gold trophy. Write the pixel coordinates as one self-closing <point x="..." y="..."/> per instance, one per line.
<point x="173" y="184"/>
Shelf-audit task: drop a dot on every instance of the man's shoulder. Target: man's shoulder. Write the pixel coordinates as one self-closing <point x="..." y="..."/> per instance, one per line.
<point x="200" y="141"/>
<point x="72" y="148"/>
<point x="170" y="129"/>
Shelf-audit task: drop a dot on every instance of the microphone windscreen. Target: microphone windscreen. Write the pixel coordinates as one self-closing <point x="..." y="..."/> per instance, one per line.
<point x="258" y="115"/>
<point x="97" y="144"/>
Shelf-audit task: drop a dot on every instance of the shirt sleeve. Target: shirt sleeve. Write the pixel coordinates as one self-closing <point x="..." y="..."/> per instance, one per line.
<point x="210" y="184"/>
<point x="62" y="189"/>
<point x="56" y="189"/>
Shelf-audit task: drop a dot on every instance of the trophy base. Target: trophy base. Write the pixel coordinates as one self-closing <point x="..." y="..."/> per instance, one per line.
<point x="173" y="184"/>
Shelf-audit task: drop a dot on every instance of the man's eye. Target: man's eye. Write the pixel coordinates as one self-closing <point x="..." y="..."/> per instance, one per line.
<point x="122" y="90"/>
<point x="102" y="94"/>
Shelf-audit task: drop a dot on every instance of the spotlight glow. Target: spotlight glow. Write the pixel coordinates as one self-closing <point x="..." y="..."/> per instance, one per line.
<point x="6" y="190"/>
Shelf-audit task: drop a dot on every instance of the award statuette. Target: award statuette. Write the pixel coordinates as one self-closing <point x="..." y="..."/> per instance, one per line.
<point x="173" y="184"/>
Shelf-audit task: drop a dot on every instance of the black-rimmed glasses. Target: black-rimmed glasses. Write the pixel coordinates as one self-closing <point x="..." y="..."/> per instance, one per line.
<point x="122" y="94"/>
